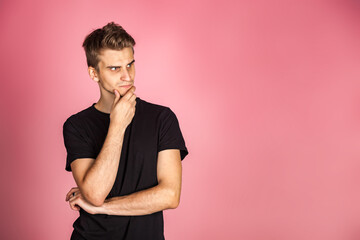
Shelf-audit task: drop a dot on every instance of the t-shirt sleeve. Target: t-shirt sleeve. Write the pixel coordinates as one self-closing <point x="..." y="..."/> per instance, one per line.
<point x="170" y="136"/>
<point x="76" y="144"/>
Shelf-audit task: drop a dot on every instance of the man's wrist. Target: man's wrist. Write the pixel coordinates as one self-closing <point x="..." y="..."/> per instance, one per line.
<point x="116" y="127"/>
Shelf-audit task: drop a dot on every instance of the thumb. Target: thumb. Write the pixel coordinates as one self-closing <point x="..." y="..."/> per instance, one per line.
<point x="117" y="95"/>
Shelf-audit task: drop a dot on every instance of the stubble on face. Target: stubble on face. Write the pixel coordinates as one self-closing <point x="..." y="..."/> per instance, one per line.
<point x="101" y="84"/>
<point x="118" y="59"/>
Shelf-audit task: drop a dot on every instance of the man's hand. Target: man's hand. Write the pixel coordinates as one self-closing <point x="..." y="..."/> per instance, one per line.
<point x="123" y="109"/>
<point x="95" y="177"/>
<point x="77" y="201"/>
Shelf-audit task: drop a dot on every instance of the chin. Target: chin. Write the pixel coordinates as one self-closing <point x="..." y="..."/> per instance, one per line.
<point x="122" y="93"/>
<point x="121" y="90"/>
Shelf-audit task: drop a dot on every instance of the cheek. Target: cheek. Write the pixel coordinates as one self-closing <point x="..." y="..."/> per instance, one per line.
<point x="109" y="79"/>
<point x="132" y="73"/>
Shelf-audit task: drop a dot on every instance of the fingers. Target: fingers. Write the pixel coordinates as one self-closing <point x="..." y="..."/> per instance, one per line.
<point x="117" y="96"/>
<point x="133" y="88"/>
<point x="73" y="200"/>
<point x="127" y="95"/>
<point x="130" y="93"/>
<point x="73" y="205"/>
<point x="69" y="194"/>
<point x="132" y="98"/>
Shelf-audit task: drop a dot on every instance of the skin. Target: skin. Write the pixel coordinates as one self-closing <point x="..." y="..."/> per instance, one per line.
<point x="95" y="177"/>
<point x="116" y="69"/>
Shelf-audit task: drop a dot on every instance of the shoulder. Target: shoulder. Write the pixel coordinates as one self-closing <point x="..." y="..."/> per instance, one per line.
<point x="160" y="115"/>
<point x="152" y="108"/>
<point x="79" y="118"/>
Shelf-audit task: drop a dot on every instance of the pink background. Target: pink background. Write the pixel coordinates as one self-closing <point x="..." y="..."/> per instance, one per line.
<point x="267" y="94"/>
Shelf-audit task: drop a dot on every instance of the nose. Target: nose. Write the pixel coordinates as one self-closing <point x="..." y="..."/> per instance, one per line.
<point x="125" y="76"/>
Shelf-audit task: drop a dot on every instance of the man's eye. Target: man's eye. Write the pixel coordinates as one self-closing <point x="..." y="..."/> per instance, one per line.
<point x="129" y="65"/>
<point x="113" y="68"/>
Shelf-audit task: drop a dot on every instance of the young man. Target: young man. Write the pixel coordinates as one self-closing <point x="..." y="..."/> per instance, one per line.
<point x="125" y="153"/>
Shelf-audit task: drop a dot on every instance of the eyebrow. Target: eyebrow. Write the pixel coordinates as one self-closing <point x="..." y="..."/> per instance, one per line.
<point x="120" y="66"/>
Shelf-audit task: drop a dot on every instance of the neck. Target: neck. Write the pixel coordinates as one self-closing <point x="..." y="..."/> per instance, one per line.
<point x="105" y="102"/>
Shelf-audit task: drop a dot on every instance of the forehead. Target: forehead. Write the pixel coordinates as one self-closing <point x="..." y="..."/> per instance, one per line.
<point x="110" y="56"/>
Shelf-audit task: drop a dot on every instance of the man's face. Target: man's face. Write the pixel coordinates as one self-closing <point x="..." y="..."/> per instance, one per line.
<point x="116" y="70"/>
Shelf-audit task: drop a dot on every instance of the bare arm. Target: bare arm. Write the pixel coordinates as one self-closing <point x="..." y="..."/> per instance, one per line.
<point x="95" y="177"/>
<point x="163" y="196"/>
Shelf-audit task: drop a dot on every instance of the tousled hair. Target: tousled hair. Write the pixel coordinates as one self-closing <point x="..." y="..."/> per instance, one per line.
<point x="111" y="36"/>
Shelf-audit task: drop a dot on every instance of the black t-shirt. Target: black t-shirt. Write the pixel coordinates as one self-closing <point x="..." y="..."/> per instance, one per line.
<point x="152" y="129"/>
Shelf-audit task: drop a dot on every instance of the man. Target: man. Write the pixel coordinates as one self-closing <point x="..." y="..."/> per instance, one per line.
<point x="124" y="153"/>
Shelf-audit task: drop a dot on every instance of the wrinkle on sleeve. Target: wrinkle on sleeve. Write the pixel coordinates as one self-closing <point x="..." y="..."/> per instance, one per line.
<point x="76" y="144"/>
<point x="170" y="136"/>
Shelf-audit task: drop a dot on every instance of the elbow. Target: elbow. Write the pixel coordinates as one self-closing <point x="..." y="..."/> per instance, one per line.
<point x="173" y="199"/>
<point x="94" y="200"/>
<point x="174" y="203"/>
<point x="97" y="202"/>
<point x="93" y="196"/>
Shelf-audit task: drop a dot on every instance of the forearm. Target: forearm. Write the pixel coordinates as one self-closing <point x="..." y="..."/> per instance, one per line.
<point x="100" y="177"/>
<point x="144" y="202"/>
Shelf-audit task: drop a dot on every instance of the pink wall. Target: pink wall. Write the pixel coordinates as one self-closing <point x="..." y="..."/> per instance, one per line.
<point x="267" y="94"/>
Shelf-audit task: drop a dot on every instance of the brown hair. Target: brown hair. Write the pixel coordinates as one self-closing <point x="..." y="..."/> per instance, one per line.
<point x="111" y="36"/>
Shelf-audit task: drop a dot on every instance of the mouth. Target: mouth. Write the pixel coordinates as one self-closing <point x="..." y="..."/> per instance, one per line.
<point x="126" y="86"/>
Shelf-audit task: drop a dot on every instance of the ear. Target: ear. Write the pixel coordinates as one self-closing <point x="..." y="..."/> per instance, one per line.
<point x="93" y="74"/>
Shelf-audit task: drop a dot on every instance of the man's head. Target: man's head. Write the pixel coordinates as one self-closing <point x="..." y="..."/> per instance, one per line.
<point x="111" y="36"/>
<point x="110" y="58"/>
